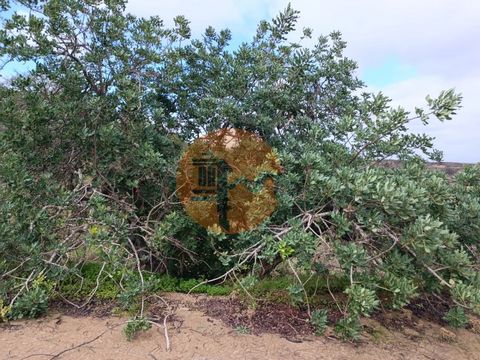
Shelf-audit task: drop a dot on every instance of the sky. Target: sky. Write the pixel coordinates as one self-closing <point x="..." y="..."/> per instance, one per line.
<point x="405" y="48"/>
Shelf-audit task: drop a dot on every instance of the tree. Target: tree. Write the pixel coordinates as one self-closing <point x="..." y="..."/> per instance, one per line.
<point x="94" y="132"/>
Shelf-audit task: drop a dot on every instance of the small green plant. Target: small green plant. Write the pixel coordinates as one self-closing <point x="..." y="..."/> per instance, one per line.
<point x="285" y="250"/>
<point x="456" y="317"/>
<point x="108" y="290"/>
<point x="468" y="294"/>
<point x="248" y="282"/>
<point x="161" y="282"/>
<point x="319" y="320"/>
<point x="362" y="300"/>
<point x="4" y="311"/>
<point x="134" y="326"/>
<point x="349" y="328"/>
<point x="242" y="329"/>
<point x="296" y="293"/>
<point x="130" y="298"/>
<point x="31" y="305"/>
<point x="402" y="289"/>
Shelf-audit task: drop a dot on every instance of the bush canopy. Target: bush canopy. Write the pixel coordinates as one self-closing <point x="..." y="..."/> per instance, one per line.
<point x="91" y="136"/>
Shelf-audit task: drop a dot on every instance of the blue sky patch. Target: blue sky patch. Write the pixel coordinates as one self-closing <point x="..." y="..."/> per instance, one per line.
<point x="391" y="70"/>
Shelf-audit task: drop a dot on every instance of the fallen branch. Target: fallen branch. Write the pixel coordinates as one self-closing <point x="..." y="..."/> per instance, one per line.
<point x="57" y="355"/>
<point x="225" y="275"/>
<point x="140" y="274"/>
<point x="165" y="330"/>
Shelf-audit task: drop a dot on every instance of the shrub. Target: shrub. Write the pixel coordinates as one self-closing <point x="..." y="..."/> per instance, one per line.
<point x="456" y="317"/>
<point x="362" y="300"/>
<point x="4" y="311"/>
<point x="91" y="137"/>
<point x="348" y="328"/>
<point x="135" y="326"/>
<point x="31" y="304"/>
<point x="319" y="320"/>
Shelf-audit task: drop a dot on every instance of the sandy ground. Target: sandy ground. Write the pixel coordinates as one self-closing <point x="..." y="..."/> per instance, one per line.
<point x="195" y="336"/>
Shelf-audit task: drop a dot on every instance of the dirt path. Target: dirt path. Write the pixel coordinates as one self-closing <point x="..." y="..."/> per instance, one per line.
<point x="195" y="336"/>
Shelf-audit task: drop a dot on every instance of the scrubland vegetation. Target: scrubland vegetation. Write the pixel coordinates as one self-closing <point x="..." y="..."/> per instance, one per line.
<point x="91" y="137"/>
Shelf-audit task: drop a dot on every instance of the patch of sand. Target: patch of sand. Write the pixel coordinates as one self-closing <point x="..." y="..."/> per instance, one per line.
<point x="195" y="336"/>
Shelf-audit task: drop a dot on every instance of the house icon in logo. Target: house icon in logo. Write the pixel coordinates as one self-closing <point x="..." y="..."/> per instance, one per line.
<point x="212" y="184"/>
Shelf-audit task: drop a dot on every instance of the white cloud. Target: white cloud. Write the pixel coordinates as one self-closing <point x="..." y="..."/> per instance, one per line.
<point x="431" y="34"/>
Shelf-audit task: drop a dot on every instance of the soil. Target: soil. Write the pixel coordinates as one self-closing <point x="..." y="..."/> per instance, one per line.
<point x="225" y="328"/>
<point x="266" y="318"/>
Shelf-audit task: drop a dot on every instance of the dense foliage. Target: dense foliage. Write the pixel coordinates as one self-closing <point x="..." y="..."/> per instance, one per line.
<point x="91" y="137"/>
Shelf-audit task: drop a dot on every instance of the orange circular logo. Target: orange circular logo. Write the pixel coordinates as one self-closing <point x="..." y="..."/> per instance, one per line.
<point x="225" y="180"/>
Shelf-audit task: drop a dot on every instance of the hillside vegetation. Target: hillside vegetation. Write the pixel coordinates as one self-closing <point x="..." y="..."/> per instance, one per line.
<point x="92" y="136"/>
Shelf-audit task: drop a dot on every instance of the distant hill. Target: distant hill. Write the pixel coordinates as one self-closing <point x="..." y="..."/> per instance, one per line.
<point x="451" y="168"/>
